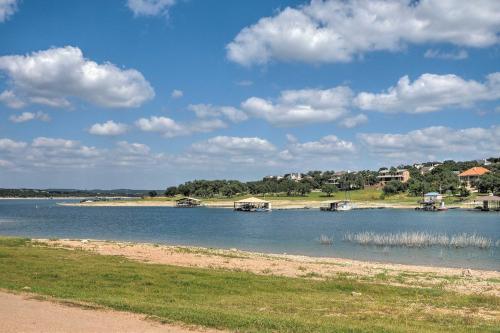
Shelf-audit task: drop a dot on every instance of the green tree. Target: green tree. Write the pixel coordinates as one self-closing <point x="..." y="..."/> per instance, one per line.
<point x="463" y="192"/>
<point x="329" y="189"/>
<point x="289" y="186"/>
<point x="489" y="182"/>
<point x="393" y="187"/>
<point x="171" y="191"/>
<point x="303" y="188"/>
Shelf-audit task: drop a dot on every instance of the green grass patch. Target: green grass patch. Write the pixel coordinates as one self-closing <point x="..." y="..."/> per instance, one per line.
<point x="210" y="252"/>
<point x="236" y="300"/>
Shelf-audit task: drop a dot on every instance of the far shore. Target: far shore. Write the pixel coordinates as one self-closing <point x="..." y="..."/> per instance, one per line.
<point x="276" y="204"/>
<point x="461" y="280"/>
<point x="64" y="198"/>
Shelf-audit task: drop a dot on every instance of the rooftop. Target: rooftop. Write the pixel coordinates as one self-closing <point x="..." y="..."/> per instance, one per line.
<point x="475" y="171"/>
<point x="489" y="198"/>
<point x="252" y="200"/>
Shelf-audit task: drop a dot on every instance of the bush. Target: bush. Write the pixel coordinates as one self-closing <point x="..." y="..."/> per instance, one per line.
<point x="394" y="187"/>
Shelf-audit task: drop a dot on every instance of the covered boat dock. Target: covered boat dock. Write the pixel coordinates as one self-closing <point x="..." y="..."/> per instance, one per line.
<point x="187" y="202"/>
<point x="489" y="203"/>
<point x="336" y="205"/>
<point x="252" y="205"/>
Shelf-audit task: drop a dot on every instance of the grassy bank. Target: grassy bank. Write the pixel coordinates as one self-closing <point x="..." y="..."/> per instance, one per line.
<point x="239" y="300"/>
<point x="364" y="195"/>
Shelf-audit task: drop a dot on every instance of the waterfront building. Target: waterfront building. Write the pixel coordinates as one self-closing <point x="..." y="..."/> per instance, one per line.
<point x="386" y="175"/>
<point x="252" y="205"/>
<point x="187" y="202"/>
<point x="471" y="176"/>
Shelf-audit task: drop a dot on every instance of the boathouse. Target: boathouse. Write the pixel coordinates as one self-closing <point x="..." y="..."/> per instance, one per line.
<point x="433" y="197"/>
<point x="252" y="205"/>
<point x="187" y="202"/>
<point x="335" y="205"/>
<point x="490" y="203"/>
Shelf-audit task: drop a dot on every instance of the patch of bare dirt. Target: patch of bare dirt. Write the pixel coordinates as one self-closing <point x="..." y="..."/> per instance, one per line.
<point x="23" y="313"/>
<point x="459" y="280"/>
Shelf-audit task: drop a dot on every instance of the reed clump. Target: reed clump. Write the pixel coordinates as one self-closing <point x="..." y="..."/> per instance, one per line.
<point x="419" y="239"/>
<point x="325" y="240"/>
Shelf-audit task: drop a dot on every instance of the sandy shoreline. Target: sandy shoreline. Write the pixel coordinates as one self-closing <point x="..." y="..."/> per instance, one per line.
<point x="276" y="204"/>
<point x="465" y="281"/>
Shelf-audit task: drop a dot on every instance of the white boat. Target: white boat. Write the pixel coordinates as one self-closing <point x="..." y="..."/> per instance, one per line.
<point x="344" y="206"/>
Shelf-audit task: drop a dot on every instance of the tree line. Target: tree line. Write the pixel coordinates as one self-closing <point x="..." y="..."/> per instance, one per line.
<point x="272" y="186"/>
<point x="443" y="179"/>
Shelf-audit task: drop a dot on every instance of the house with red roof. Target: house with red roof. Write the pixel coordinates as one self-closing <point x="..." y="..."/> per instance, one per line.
<point x="470" y="177"/>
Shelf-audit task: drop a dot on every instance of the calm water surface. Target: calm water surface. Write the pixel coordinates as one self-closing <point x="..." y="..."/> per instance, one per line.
<point x="285" y="231"/>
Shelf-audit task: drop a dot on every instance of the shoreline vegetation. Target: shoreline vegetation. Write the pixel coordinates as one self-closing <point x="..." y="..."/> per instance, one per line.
<point x="361" y="199"/>
<point x="421" y="239"/>
<point x="252" y="292"/>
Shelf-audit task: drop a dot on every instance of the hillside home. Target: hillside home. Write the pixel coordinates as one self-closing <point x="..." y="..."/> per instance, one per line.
<point x="471" y="176"/>
<point x="385" y="176"/>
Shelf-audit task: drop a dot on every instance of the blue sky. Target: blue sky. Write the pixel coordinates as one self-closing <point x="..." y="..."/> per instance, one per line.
<point x="150" y="93"/>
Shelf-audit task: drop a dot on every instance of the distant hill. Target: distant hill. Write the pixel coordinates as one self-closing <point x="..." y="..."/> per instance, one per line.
<point x="47" y="193"/>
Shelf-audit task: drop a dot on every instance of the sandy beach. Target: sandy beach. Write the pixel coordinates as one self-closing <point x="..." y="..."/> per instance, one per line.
<point x="464" y="281"/>
<point x="276" y="204"/>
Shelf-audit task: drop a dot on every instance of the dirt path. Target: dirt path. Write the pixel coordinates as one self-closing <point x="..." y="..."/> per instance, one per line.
<point x="455" y="279"/>
<point x="21" y="313"/>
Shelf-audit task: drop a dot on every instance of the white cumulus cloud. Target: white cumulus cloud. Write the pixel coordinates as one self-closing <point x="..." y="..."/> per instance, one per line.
<point x="176" y="93"/>
<point x="59" y="153"/>
<point x="207" y="110"/>
<point x="109" y="128"/>
<point x="54" y="76"/>
<point x="431" y="92"/>
<point x="166" y="126"/>
<point x="329" y="144"/>
<point x="294" y="107"/>
<point x="353" y="121"/>
<point x="150" y="7"/>
<point x="8" y="145"/>
<point x="327" y="31"/>
<point x="28" y="116"/>
<point x="9" y="98"/>
<point x="456" y="55"/>
<point x="133" y="148"/>
<point x="322" y="153"/>
<point x="6" y="164"/>
<point x="221" y="145"/>
<point x="7" y="9"/>
<point x="169" y="128"/>
<point x="436" y="142"/>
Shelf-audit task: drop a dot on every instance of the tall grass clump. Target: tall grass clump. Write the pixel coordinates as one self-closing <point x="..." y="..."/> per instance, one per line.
<point x="325" y="240"/>
<point x="419" y="239"/>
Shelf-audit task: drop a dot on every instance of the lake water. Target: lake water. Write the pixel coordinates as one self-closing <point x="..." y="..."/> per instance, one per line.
<point x="280" y="231"/>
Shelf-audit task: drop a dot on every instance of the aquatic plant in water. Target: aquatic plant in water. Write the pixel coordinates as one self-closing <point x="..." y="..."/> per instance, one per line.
<point x="325" y="240"/>
<point x="419" y="239"/>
